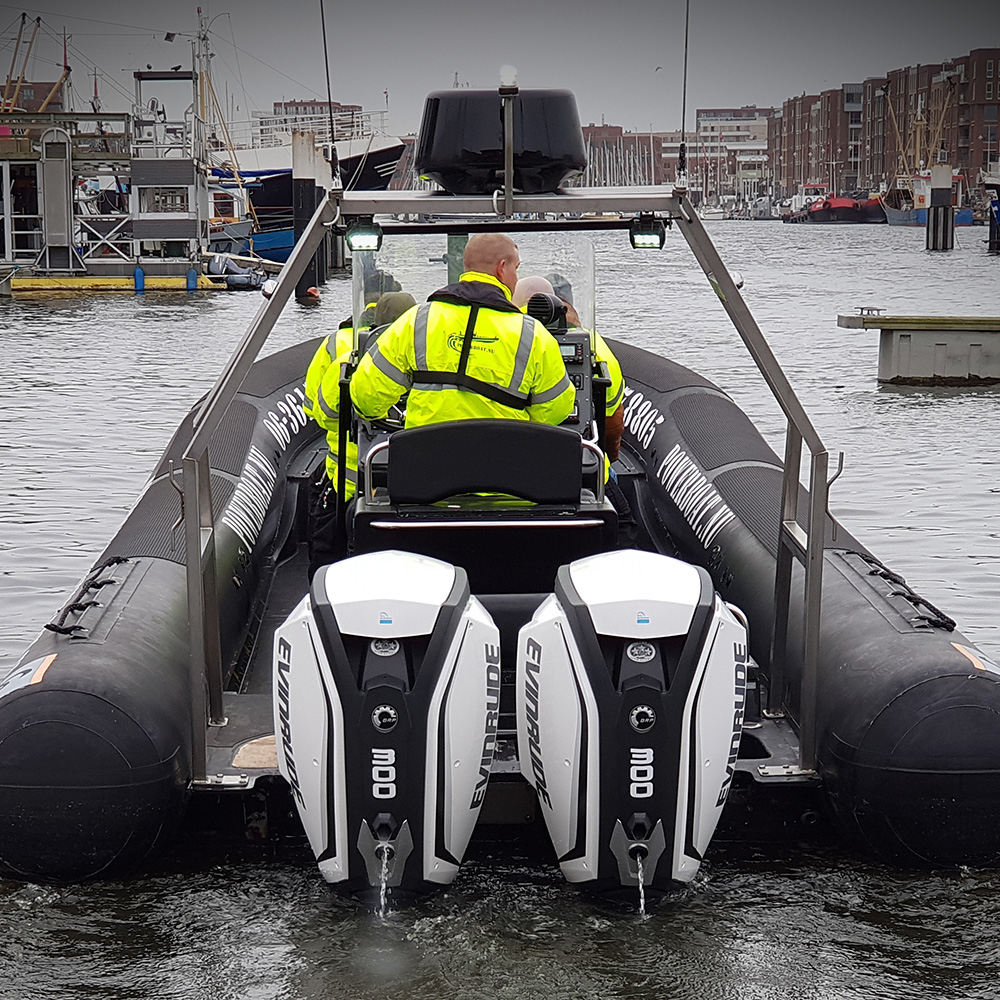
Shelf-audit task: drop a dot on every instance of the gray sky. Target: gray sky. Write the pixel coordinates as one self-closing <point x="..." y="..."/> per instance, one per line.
<point x="741" y="51"/>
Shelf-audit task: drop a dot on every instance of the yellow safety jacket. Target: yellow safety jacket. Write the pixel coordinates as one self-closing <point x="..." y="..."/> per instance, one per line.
<point x="323" y="403"/>
<point x="616" y="390"/>
<point x="468" y="352"/>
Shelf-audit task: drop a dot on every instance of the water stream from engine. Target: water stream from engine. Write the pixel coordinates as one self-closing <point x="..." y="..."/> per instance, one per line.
<point x="383" y="890"/>
<point x="642" y="886"/>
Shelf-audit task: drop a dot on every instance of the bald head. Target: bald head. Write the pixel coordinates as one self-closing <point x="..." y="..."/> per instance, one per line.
<point x="493" y="253"/>
<point x="526" y="287"/>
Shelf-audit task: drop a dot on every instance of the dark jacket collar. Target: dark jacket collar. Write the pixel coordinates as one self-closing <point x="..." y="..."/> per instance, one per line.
<point x="468" y="293"/>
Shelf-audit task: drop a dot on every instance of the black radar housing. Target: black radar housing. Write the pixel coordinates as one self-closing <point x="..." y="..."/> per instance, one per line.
<point x="460" y="144"/>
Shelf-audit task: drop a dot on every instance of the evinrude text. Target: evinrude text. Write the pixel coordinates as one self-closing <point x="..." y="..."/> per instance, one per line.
<point x="492" y="717"/>
<point x="284" y="668"/>
<point x="533" y="667"/>
<point x="741" y="659"/>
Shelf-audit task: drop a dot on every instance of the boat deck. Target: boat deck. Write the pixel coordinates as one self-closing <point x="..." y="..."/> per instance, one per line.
<point x="244" y="749"/>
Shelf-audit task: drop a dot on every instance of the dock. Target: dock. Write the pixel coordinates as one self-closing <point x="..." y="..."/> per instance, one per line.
<point x="932" y="350"/>
<point x="116" y="202"/>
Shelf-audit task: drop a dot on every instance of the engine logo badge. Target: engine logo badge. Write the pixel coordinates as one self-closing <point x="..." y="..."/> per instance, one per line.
<point x="640" y="652"/>
<point x="384" y="718"/>
<point x="642" y="718"/>
<point x="384" y="647"/>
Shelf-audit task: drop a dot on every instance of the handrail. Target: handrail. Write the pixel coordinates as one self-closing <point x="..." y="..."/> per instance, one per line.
<point x="792" y="541"/>
<point x="206" y="666"/>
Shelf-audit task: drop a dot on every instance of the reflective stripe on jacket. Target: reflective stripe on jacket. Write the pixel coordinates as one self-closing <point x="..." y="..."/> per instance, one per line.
<point x="616" y="390"/>
<point x="507" y="350"/>
<point x="321" y="361"/>
<point x="326" y="407"/>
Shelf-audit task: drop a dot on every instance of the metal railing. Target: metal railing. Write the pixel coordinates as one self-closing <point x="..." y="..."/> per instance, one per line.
<point x="199" y="529"/>
<point x="267" y="131"/>
<point x="25" y="237"/>
<point x="158" y="139"/>
<point x="793" y="542"/>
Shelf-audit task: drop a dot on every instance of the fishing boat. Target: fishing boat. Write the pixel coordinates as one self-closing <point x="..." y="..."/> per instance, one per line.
<point x="906" y="202"/>
<point x="482" y="651"/>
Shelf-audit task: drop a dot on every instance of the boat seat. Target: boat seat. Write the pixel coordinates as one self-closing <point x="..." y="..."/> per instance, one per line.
<point x="508" y="500"/>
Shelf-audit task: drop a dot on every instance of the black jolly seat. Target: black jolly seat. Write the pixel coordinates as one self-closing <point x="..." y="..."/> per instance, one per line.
<point x="508" y="500"/>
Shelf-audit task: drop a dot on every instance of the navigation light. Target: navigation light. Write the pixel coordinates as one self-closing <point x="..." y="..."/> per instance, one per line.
<point x="364" y="234"/>
<point x="647" y="232"/>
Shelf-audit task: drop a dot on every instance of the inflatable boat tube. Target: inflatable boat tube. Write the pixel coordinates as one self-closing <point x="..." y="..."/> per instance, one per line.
<point x="96" y="732"/>
<point x="95" y="719"/>
<point x="908" y="745"/>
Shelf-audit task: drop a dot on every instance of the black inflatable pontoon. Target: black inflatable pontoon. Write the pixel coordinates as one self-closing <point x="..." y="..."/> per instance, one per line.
<point x="96" y="731"/>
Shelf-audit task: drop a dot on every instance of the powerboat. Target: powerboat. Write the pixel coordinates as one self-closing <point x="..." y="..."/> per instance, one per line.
<point x="482" y="651"/>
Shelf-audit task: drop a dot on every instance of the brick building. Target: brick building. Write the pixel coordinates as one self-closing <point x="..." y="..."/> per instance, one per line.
<point x="863" y="136"/>
<point x="296" y="108"/>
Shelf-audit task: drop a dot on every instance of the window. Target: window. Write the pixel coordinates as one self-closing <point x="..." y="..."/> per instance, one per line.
<point x="163" y="199"/>
<point x="989" y="69"/>
<point x="990" y="112"/>
<point x="989" y="91"/>
<point x="224" y="206"/>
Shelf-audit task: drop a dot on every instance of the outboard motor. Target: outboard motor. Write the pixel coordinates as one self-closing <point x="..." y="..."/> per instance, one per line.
<point x="631" y="683"/>
<point x="387" y="692"/>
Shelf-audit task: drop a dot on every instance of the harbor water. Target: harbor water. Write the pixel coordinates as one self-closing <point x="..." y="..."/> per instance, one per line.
<point x="91" y="390"/>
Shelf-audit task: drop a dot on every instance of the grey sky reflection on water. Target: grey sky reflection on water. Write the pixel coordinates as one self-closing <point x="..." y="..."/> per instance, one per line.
<point x="607" y="53"/>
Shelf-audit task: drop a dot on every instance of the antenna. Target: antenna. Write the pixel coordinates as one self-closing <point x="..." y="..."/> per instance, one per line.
<point x="334" y="161"/>
<point x="682" y="151"/>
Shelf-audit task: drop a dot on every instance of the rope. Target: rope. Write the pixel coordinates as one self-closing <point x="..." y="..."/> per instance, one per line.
<point x="59" y="625"/>
<point x="76" y="604"/>
<point x="936" y="618"/>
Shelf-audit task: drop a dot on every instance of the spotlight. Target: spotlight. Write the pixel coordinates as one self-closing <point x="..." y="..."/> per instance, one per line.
<point x="647" y="232"/>
<point x="364" y="234"/>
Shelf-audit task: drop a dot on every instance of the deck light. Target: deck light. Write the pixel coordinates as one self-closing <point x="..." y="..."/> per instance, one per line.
<point x="364" y="234"/>
<point x="647" y="232"/>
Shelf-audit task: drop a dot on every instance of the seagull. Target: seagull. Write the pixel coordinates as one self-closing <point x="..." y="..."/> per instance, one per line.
<point x="657" y="70"/>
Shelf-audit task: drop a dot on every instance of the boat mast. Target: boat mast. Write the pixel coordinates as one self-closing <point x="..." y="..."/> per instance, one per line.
<point x="202" y="57"/>
<point x="899" y="138"/>
<point x="13" y="62"/>
<point x="919" y="160"/>
<point x="24" y="65"/>
<point x="952" y="83"/>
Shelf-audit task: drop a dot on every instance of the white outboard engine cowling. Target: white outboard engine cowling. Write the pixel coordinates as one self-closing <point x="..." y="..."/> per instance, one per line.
<point x="631" y="685"/>
<point x="387" y="692"/>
